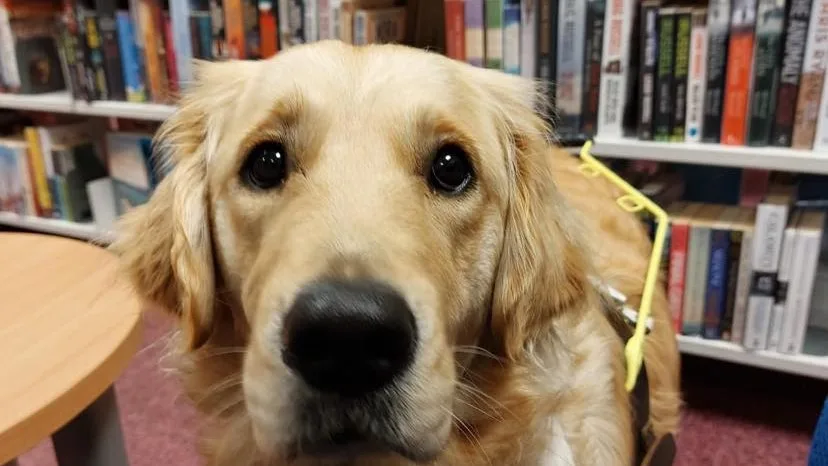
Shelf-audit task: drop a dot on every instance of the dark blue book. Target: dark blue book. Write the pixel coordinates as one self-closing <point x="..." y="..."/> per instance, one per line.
<point x="717" y="272"/>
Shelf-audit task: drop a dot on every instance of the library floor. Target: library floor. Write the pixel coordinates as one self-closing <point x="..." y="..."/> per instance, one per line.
<point x="733" y="416"/>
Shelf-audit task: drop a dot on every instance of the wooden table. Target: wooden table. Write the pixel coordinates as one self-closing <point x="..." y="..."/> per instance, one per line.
<point x="68" y="328"/>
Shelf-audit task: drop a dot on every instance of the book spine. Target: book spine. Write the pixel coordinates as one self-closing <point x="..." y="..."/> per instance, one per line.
<point x="769" y="35"/>
<point x="716" y="293"/>
<point x="786" y="265"/>
<point x="663" y="114"/>
<point x="204" y="35"/>
<point x="152" y="59"/>
<point x="324" y="14"/>
<point x="739" y="63"/>
<point x="96" y="55"/>
<point x="617" y="33"/>
<point x="84" y="54"/>
<point x="269" y="35"/>
<point x="697" y="77"/>
<point x="813" y="76"/>
<point x="570" y="56"/>
<point x="528" y="34"/>
<point x="250" y="26"/>
<point x="734" y="252"/>
<point x="335" y="7"/>
<point x="169" y="55"/>
<point x="804" y="291"/>
<point x="821" y="138"/>
<point x="793" y="53"/>
<point x="681" y="67"/>
<point x="695" y="277"/>
<point x="493" y="11"/>
<point x="455" y="30"/>
<point x="742" y="288"/>
<point x="718" y="30"/>
<point x="592" y="66"/>
<point x="547" y="48"/>
<point x="182" y="41"/>
<point x="234" y="28"/>
<point x="69" y="41"/>
<point x="111" y="53"/>
<point x="311" y="21"/>
<point x="676" y="275"/>
<point x="11" y="72"/>
<point x="511" y="36"/>
<point x="130" y="64"/>
<point x="297" y="20"/>
<point x="219" y="37"/>
<point x="648" y="62"/>
<point x="475" y="33"/>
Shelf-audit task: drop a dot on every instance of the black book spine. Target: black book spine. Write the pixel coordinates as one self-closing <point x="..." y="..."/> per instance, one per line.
<point x="111" y="50"/>
<point x="766" y="59"/>
<point x="547" y="46"/>
<point x="663" y="114"/>
<point x="718" y="27"/>
<point x="793" y="54"/>
<point x="84" y="52"/>
<point x="596" y="11"/>
<point x="681" y="66"/>
<point x="649" y="59"/>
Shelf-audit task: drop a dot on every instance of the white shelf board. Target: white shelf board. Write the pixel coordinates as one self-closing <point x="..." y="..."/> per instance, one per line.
<point x="801" y="364"/>
<point x="87" y="231"/>
<point x="62" y="102"/>
<point x="770" y="158"/>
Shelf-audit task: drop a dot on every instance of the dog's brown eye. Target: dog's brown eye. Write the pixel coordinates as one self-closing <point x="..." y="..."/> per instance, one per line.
<point x="266" y="166"/>
<point x="451" y="171"/>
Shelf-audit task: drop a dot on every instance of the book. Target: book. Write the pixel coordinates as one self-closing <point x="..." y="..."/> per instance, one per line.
<point x="269" y="29"/>
<point x="810" y="229"/>
<point x="681" y="66"/>
<point x="680" y="214"/>
<point x="648" y="61"/>
<point x="72" y="51"/>
<point x="786" y="264"/>
<point x="15" y="192"/>
<point x="150" y="27"/>
<point x="698" y="263"/>
<point x="739" y="63"/>
<point x="793" y="53"/>
<point x="107" y="27"/>
<point x="325" y="16"/>
<point x="528" y="34"/>
<point x="771" y="218"/>
<point x="455" y="29"/>
<point x="475" y="33"/>
<point x="220" y="50"/>
<point x="716" y="293"/>
<point x="182" y="41"/>
<point x="311" y="21"/>
<point x="663" y="114"/>
<point x="130" y="59"/>
<point x="620" y="15"/>
<point x="131" y="169"/>
<point x="234" y="28"/>
<point x="31" y="61"/>
<point x="547" y="40"/>
<point x="570" y="56"/>
<point x="380" y="26"/>
<point x="511" y="36"/>
<point x="738" y="228"/>
<point x="169" y="55"/>
<point x="743" y="282"/>
<point x="75" y="166"/>
<point x="696" y="76"/>
<point x="94" y="50"/>
<point x="592" y="66"/>
<point x="813" y="77"/>
<point x="718" y="30"/>
<point x="493" y="10"/>
<point x="770" y="21"/>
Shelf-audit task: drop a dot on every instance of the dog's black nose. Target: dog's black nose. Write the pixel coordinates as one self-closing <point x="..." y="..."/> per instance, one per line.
<point x="349" y="337"/>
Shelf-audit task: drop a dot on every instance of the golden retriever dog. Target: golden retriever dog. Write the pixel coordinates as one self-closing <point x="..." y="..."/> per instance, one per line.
<point x="376" y="256"/>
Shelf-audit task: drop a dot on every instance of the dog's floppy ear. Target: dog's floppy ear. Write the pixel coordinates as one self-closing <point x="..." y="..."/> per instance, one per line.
<point x="165" y="245"/>
<point x="543" y="269"/>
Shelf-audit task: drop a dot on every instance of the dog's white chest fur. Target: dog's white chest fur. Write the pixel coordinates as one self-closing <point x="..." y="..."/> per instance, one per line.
<point x="557" y="452"/>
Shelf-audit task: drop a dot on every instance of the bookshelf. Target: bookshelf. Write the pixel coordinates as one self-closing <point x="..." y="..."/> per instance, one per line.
<point x="769" y="158"/>
<point x="85" y="231"/>
<point x="62" y="102"/>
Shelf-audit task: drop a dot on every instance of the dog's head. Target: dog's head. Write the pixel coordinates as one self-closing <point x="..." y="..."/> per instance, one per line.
<point x="356" y="215"/>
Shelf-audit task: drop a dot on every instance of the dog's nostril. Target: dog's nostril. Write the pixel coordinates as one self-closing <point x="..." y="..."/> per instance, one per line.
<point x="349" y="337"/>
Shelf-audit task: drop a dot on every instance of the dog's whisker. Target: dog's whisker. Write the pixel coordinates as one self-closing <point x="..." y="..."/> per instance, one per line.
<point x="478" y="351"/>
<point x="484" y="397"/>
<point x="468" y="433"/>
<point x="230" y="383"/>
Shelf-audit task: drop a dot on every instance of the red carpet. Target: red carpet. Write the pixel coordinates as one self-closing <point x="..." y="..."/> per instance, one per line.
<point x="734" y="415"/>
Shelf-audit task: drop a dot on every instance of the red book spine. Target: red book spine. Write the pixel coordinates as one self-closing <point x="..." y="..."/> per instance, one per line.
<point x="679" y="237"/>
<point x="455" y="29"/>
<point x="737" y="87"/>
<point x="268" y="30"/>
<point x="234" y="28"/>
<point x="169" y="48"/>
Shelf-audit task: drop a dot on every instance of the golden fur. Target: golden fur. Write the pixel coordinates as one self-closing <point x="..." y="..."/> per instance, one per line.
<point x="519" y="366"/>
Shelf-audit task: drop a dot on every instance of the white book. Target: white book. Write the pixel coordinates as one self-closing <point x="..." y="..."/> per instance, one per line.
<point x="783" y="279"/>
<point x="698" y="250"/>
<point x="323" y="11"/>
<point x="821" y="139"/>
<point x="810" y="230"/>
<point x="786" y="340"/>
<point x="311" y="21"/>
<point x="615" y="67"/>
<point x="570" y="65"/>
<point x="528" y="37"/>
<point x="101" y="193"/>
<point x="511" y="36"/>
<point x="283" y="9"/>
<point x="696" y="77"/>
<point x="742" y="287"/>
<point x="180" y="22"/>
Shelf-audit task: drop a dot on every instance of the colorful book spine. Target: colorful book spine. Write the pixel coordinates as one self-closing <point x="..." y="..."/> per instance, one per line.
<point x="150" y="31"/>
<point x="648" y="62"/>
<point x="234" y="28"/>
<point x="793" y="53"/>
<point x="268" y="28"/>
<point x="592" y="66"/>
<point x="698" y="252"/>
<point x="202" y="29"/>
<point x="107" y="25"/>
<point x="716" y="293"/>
<point x="813" y="77"/>
<point x="38" y="168"/>
<point x="73" y="50"/>
<point x="494" y="34"/>
<point x="182" y="42"/>
<point x="93" y="53"/>
<point x="718" y="28"/>
<point x="219" y="37"/>
<point x="770" y="21"/>
<point x="511" y="36"/>
<point x="455" y="29"/>
<point x="616" y="60"/>
<point x="130" y="61"/>
<point x="680" y="232"/>
<point x="663" y="114"/>
<point x="737" y="83"/>
<point x="528" y="34"/>
<point x="734" y="251"/>
<point x="681" y="67"/>
<point x="570" y="56"/>
<point x="697" y="77"/>
<point x="475" y="33"/>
